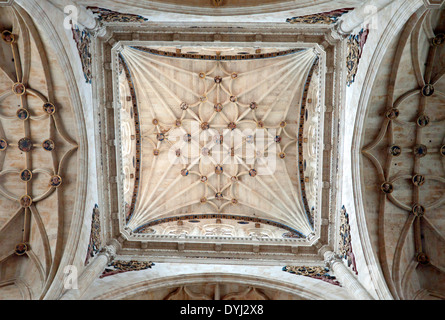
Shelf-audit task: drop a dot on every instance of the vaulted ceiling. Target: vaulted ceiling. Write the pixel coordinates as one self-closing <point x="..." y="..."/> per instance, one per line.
<point x="247" y="166"/>
<point x="38" y="170"/>
<point x="403" y="160"/>
<point x="116" y="155"/>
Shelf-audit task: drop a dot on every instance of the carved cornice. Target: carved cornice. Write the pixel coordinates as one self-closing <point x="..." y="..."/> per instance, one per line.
<point x="218" y="57"/>
<point x="292" y="232"/>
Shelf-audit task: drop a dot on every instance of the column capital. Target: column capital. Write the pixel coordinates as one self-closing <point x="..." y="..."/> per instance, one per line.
<point x="111" y="249"/>
<point x="337" y="32"/>
<point x="99" y="30"/>
<point x="330" y="258"/>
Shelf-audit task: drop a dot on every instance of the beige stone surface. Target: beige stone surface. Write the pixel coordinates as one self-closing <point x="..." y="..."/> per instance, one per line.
<point x="220" y="259"/>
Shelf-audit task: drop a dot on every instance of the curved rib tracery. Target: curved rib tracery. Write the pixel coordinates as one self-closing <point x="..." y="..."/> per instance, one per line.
<point x="162" y="84"/>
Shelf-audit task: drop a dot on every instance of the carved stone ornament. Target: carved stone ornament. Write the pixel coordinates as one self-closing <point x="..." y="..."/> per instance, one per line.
<point x="218" y="107"/>
<point x="21" y="248"/>
<point x="8" y="36"/>
<point x="95" y="243"/>
<point x="387" y="187"/>
<point x="422" y="258"/>
<point x="428" y="90"/>
<point x="25" y="201"/>
<point x="48" y="145"/>
<point x="106" y="15"/>
<point x="22" y="114"/>
<point x="55" y="181"/>
<point x="124" y="266"/>
<point x="345" y="247"/>
<point x="423" y="120"/>
<point x="438" y="40"/>
<point x="26" y="175"/>
<point x="321" y="273"/>
<point x="418" y="210"/>
<point x="329" y="17"/>
<point x="418" y="180"/>
<point x="49" y="108"/>
<point x="25" y="144"/>
<point x="3" y="144"/>
<point x="395" y="150"/>
<point x="392" y="114"/>
<point x="355" y="50"/>
<point x="83" y="43"/>
<point x="420" y="150"/>
<point x="18" y="88"/>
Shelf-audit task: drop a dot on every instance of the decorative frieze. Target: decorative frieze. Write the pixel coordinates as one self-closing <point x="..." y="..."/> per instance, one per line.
<point x="329" y="17"/>
<point x="355" y="49"/>
<point x="219" y="57"/>
<point x="146" y="228"/>
<point x="317" y="272"/>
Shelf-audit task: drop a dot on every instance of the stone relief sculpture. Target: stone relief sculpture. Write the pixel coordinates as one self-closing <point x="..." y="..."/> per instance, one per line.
<point x="329" y="17"/>
<point x="95" y="239"/>
<point x="321" y="273"/>
<point x="345" y="247"/>
<point x="105" y="15"/>
<point x="83" y="43"/>
<point x="119" y="266"/>
<point x="355" y="49"/>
